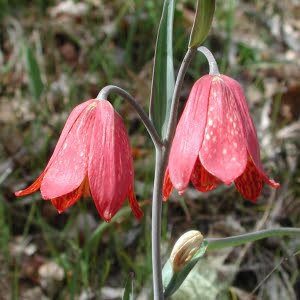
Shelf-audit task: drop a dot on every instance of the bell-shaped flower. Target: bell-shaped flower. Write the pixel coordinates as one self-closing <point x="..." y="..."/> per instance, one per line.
<point x="215" y="141"/>
<point x="92" y="157"/>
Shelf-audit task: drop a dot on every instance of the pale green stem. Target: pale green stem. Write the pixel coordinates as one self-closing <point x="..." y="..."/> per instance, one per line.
<point x="213" y="66"/>
<point x="176" y="95"/>
<point x="238" y="240"/>
<point x="162" y="154"/>
<point x="103" y="95"/>
<point x="160" y="167"/>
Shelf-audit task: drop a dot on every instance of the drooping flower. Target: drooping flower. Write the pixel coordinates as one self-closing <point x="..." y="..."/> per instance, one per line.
<point x="215" y="141"/>
<point x="92" y="157"/>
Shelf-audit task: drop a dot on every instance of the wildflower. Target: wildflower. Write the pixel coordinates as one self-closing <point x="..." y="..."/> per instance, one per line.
<point x="92" y="157"/>
<point x="216" y="141"/>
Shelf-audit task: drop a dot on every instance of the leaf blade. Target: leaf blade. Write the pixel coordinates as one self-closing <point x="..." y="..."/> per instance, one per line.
<point x="202" y="22"/>
<point x="34" y="74"/>
<point x="171" y="280"/>
<point x="163" y="80"/>
<point x="128" y="291"/>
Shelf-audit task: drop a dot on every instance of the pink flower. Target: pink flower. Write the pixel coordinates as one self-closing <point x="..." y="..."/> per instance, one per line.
<point x="92" y="157"/>
<point x="216" y="141"/>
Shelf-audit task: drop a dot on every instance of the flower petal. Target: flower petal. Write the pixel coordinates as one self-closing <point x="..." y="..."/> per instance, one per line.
<point x="249" y="184"/>
<point x="69" y="167"/>
<point x="63" y="202"/>
<point x="189" y="134"/>
<point x="248" y="127"/>
<point x="110" y="167"/>
<point x="32" y="188"/>
<point x="167" y="186"/>
<point x="223" y="152"/>
<point x="202" y="180"/>
<point x="138" y="213"/>
<point x="70" y="122"/>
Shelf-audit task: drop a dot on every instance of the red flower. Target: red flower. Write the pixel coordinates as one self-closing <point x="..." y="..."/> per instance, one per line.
<point x="92" y="156"/>
<point x="215" y="141"/>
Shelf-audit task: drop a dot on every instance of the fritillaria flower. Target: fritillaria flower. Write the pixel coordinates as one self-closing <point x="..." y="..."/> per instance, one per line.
<point x="92" y="157"/>
<point x="215" y="141"/>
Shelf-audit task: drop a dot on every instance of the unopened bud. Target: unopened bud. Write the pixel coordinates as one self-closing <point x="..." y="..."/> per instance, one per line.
<point x="185" y="248"/>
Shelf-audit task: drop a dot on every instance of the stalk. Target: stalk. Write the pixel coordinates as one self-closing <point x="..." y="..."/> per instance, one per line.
<point x="162" y="155"/>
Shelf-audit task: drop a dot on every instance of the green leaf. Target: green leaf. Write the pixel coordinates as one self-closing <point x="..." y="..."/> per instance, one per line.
<point x="172" y="281"/>
<point x="163" y="72"/>
<point x="207" y="281"/>
<point x="34" y="74"/>
<point x="202" y="22"/>
<point x="128" y="292"/>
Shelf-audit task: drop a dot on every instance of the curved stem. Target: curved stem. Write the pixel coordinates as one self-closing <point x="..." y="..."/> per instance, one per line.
<point x="238" y="240"/>
<point x="176" y="94"/>
<point x="213" y="66"/>
<point x="103" y="94"/>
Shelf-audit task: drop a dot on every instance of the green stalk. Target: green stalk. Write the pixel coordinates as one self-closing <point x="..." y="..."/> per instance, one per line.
<point x="238" y="240"/>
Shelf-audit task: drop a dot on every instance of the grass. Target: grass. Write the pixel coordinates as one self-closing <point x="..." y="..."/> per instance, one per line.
<point x="104" y="254"/>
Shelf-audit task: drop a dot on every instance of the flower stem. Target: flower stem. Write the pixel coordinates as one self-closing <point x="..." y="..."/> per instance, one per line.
<point x="162" y="155"/>
<point x="176" y="95"/>
<point x="238" y="240"/>
<point x="213" y="66"/>
<point x="160" y="166"/>
<point x="103" y="94"/>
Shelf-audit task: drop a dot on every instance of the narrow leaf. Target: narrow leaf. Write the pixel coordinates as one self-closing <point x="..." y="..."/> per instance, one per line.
<point x="173" y="280"/>
<point x="238" y="240"/>
<point x="202" y="22"/>
<point x="128" y="292"/>
<point x="163" y="72"/>
<point x="34" y="74"/>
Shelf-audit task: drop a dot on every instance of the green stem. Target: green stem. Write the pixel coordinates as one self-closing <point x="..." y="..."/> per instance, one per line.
<point x="213" y="66"/>
<point x="103" y="94"/>
<point x="238" y="240"/>
<point x="162" y="154"/>
<point x="176" y="94"/>
<point x="160" y="166"/>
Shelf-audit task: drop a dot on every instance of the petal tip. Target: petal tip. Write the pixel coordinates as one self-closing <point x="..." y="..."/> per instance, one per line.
<point x="18" y="193"/>
<point x="253" y="200"/>
<point x="274" y="184"/>
<point x="135" y="207"/>
<point x="138" y="214"/>
<point x="181" y="192"/>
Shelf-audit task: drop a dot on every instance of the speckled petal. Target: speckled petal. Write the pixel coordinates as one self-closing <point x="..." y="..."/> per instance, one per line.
<point x="189" y="134"/>
<point x="69" y="167"/>
<point x="223" y="152"/>
<point x="249" y="184"/>
<point x="248" y="127"/>
<point x="70" y="122"/>
<point x="202" y="180"/>
<point x="167" y="186"/>
<point x="110" y="168"/>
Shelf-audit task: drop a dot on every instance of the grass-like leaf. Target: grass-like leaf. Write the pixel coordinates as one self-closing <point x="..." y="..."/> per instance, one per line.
<point x="163" y="72"/>
<point x="34" y="74"/>
<point x="202" y="22"/>
<point x="128" y="292"/>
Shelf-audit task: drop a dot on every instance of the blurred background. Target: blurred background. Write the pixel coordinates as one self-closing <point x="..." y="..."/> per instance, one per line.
<point x="57" y="54"/>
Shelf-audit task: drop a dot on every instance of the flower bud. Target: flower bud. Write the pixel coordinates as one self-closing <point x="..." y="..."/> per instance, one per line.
<point x="185" y="248"/>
